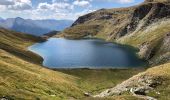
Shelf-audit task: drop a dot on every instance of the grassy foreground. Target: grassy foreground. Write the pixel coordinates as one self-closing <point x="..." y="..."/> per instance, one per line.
<point x="95" y="81"/>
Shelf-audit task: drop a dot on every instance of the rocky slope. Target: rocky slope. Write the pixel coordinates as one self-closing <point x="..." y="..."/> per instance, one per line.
<point x="143" y="26"/>
<point x="152" y="84"/>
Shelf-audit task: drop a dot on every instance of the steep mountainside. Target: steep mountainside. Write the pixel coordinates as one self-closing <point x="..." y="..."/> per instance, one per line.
<point x="145" y="26"/>
<point x="16" y="43"/>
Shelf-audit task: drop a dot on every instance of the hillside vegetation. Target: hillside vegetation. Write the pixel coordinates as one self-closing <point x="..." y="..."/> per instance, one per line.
<point x="23" y="77"/>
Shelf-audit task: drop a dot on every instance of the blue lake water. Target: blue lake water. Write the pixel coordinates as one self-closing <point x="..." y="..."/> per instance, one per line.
<point x="86" y="53"/>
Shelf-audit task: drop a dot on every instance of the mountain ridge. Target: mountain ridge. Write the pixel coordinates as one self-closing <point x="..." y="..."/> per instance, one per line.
<point x="34" y="27"/>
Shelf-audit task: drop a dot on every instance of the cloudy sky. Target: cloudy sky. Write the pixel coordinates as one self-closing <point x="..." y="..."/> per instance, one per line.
<point x="57" y="9"/>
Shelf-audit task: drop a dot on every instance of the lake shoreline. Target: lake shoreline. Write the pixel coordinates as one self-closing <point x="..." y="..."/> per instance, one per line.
<point x="99" y="69"/>
<point x="95" y="67"/>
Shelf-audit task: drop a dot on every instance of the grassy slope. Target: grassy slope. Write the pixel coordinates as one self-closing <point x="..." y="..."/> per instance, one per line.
<point x="16" y="43"/>
<point x="95" y="81"/>
<point x="22" y="77"/>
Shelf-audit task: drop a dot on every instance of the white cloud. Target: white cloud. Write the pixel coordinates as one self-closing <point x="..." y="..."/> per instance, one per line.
<point x="44" y="6"/>
<point x="57" y="7"/>
<point x="56" y="10"/>
<point x="82" y="3"/>
<point x="7" y="2"/>
<point x="117" y="1"/>
<point x="59" y="1"/>
<point x="22" y="5"/>
<point x="126" y="1"/>
<point x="16" y="4"/>
<point x="62" y="5"/>
<point x="2" y="8"/>
<point x="78" y="14"/>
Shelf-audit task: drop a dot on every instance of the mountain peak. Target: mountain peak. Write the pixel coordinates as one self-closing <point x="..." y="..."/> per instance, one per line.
<point x="19" y="18"/>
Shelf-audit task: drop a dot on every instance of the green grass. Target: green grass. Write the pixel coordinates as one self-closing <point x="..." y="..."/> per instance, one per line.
<point x="22" y="77"/>
<point x="94" y="81"/>
<point x="16" y="43"/>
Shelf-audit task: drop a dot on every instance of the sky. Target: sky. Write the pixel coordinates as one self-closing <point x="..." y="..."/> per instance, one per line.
<point x="57" y="9"/>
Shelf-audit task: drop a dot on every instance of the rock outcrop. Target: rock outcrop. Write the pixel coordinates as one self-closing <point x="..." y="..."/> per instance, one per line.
<point x="137" y="85"/>
<point x="141" y="85"/>
<point x="163" y="53"/>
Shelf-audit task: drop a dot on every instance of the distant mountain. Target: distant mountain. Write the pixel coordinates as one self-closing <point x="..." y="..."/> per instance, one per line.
<point x="34" y="27"/>
<point x="58" y="25"/>
<point x="1" y="19"/>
